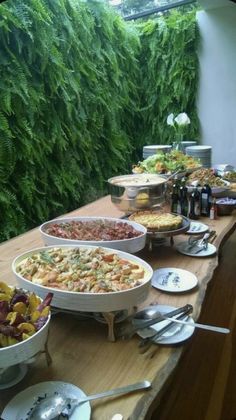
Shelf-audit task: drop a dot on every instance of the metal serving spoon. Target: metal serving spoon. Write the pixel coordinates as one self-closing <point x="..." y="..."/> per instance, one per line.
<point x="153" y="314"/>
<point x="51" y="407"/>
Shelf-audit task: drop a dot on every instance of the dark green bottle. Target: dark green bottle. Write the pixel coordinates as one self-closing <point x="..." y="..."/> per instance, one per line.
<point x="175" y="202"/>
<point x="184" y="204"/>
<point x="205" y="200"/>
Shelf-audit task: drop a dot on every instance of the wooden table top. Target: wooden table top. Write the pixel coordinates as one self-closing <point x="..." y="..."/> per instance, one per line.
<point x="79" y="348"/>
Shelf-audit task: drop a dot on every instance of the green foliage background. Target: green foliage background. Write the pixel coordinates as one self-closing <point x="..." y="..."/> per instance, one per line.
<point x="79" y="96"/>
<point x="168" y="76"/>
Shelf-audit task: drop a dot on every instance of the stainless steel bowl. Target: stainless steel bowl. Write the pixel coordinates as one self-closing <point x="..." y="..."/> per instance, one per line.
<point x="137" y="191"/>
<point x="225" y="206"/>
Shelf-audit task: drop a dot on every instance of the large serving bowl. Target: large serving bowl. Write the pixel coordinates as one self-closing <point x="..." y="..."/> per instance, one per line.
<point x="128" y="245"/>
<point x="84" y="301"/>
<point x="137" y="191"/>
<point x="24" y="350"/>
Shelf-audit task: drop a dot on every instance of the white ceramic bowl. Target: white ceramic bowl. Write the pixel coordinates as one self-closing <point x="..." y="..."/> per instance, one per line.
<point x="24" y="350"/>
<point x="90" y="302"/>
<point x="128" y="245"/>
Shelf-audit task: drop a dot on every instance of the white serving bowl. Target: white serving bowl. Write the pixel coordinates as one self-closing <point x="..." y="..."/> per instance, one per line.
<point x="128" y="245"/>
<point x="24" y="350"/>
<point x="89" y="302"/>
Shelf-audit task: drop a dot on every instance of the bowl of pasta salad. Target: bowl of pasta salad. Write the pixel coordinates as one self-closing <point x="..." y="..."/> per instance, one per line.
<point x="85" y="278"/>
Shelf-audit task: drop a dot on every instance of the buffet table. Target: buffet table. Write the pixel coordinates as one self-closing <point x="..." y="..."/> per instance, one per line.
<point x="80" y="351"/>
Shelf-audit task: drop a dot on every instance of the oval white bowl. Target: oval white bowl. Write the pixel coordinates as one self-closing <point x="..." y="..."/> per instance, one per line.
<point x="89" y="302"/>
<point x="128" y="245"/>
<point x="24" y="350"/>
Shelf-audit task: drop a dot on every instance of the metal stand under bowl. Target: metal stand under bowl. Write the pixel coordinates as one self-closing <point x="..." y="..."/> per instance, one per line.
<point x="12" y="375"/>
<point x="107" y="318"/>
<point x="156" y="238"/>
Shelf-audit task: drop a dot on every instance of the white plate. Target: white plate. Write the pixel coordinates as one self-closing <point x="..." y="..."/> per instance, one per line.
<point x="183" y="249"/>
<point x="175" y="334"/>
<point x="19" y="407"/>
<point x="197" y="228"/>
<point x="173" y="280"/>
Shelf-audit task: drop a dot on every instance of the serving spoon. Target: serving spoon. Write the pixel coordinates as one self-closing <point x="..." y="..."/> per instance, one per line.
<point x="51" y="407"/>
<point x="152" y="312"/>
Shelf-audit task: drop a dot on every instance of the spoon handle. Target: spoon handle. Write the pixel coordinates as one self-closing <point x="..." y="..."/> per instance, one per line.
<point x="117" y="391"/>
<point x="202" y="326"/>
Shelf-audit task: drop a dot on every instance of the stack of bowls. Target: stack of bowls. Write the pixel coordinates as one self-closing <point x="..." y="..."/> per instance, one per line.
<point x="203" y="153"/>
<point x="185" y="144"/>
<point x="155" y="148"/>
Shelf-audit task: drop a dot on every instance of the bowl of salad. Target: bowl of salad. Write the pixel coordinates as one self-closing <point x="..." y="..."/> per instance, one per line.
<point x="167" y="164"/>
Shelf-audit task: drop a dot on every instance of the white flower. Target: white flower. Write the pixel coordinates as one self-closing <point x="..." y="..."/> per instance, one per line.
<point x="170" y="119"/>
<point x="182" y="119"/>
<point x="179" y="124"/>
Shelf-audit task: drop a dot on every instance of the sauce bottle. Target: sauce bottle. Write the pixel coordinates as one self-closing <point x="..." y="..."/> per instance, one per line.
<point x="213" y="210"/>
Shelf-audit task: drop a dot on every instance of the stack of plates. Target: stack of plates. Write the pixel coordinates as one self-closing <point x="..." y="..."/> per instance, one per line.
<point x="155" y="148"/>
<point x="200" y="152"/>
<point x="185" y="144"/>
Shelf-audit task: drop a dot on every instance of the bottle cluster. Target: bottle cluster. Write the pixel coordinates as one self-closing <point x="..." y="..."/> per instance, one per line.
<point x="199" y="202"/>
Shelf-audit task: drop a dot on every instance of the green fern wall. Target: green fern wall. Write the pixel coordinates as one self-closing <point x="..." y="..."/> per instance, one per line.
<point x="79" y="96"/>
<point x="169" y="75"/>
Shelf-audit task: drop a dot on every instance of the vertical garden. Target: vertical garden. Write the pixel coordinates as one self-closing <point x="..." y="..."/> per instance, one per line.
<point x="80" y="92"/>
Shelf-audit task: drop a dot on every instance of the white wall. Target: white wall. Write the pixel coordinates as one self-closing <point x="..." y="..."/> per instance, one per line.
<point x="217" y="89"/>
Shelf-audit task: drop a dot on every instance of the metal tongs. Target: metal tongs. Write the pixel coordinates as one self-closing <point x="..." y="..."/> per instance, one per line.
<point x="146" y="342"/>
<point x="129" y="330"/>
<point x="199" y="244"/>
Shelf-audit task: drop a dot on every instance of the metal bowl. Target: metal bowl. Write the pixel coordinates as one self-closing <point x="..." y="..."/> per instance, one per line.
<point x="137" y="191"/>
<point x="225" y="206"/>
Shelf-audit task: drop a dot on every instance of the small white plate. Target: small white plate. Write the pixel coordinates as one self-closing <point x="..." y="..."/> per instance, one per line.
<point x="175" y="334"/>
<point x="173" y="280"/>
<point x="197" y="228"/>
<point x="19" y="407"/>
<point x="183" y="249"/>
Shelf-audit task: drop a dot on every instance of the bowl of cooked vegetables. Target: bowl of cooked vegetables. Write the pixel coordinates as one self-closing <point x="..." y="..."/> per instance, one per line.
<point x="84" y="278"/>
<point x="24" y="324"/>
<point x="229" y="176"/>
<point x="207" y="176"/>
<point x="99" y="231"/>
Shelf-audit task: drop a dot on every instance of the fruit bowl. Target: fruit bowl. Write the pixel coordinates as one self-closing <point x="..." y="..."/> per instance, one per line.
<point x="23" y="335"/>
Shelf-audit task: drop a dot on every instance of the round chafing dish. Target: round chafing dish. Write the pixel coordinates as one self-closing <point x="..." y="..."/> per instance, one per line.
<point x="137" y="191"/>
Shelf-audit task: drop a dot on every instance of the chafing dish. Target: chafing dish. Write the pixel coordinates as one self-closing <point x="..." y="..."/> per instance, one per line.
<point x="137" y="191"/>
